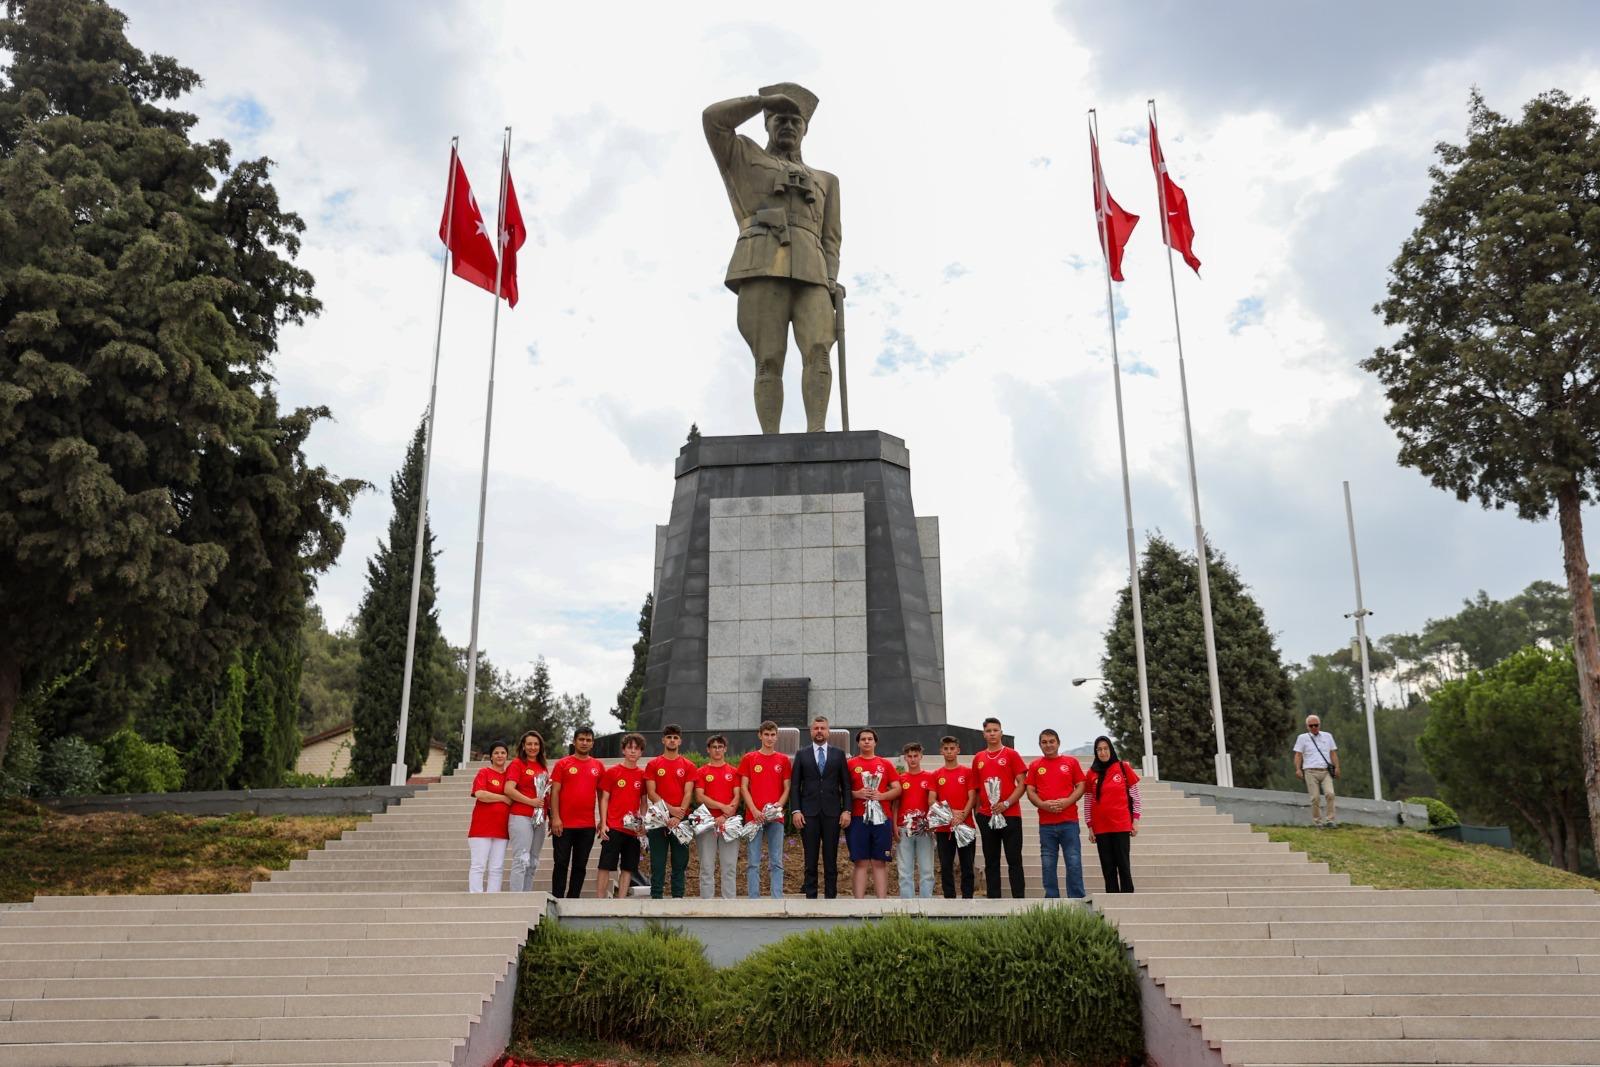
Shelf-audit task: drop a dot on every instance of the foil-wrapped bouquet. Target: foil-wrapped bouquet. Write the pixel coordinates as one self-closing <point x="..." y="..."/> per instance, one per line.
<point x="997" y="819"/>
<point x="940" y="814"/>
<point x="632" y="823"/>
<point x="874" y="809"/>
<point x="733" y="828"/>
<point x="656" y="815"/>
<point x="914" y="823"/>
<point x="965" y="834"/>
<point x="541" y="786"/>
<point x="771" y="813"/>
<point x="700" y="821"/>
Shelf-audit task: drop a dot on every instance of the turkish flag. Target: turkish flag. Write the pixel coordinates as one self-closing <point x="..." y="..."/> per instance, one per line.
<point x="465" y="237"/>
<point x="1115" y="225"/>
<point x="512" y="235"/>
<point x="1180" y="231"/>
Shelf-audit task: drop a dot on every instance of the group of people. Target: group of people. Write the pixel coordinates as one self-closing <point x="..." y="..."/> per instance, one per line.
<point x="910" y="815"/>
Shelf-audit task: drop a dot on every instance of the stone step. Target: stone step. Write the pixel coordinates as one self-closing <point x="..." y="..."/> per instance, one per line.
<point x="246" y="985"/>
<point x="265" y="931"/>
<point x="484" y="960"/>
<point x="1332" y="1050"/>
<point x="233" y="901"/>
<point x="1379" y="911"/>
<point x="1481" y="1027"/>
<point x="1346" y="1007"/>
<point x="206" y="1053"/>
<point x="1535" y="964"/>
<point x="469" y="910"/>
<point x="1370" y="932"/>
<point x="1539" y="982"/>
<point x="264" y="948"/>
<point x="225" y="1028"/>
<point x="1438" y="946"/>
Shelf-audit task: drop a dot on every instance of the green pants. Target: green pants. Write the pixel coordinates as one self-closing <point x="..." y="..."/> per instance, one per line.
<point x="660" y="843"/>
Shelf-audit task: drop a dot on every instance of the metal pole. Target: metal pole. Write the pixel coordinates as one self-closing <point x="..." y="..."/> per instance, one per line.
<point x="1361" y="614"/>
<point x="483" y="481"/>
<point x="1224" y="762"/>
<point x="844" y="379"/>
<point x="1149" y="766"/>
<point x="397" y="771"/>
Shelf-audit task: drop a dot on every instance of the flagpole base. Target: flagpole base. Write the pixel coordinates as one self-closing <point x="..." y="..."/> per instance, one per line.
<point x="1224" y="763"/>
<point x="398" y="774"/>
<point x="1149" y="767"/>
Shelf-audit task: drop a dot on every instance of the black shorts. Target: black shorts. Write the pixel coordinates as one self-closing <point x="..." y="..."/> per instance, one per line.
<point x="622" y="846"/>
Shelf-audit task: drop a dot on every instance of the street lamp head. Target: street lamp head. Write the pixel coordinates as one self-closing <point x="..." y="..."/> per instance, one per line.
<point x="1090" y="678"/>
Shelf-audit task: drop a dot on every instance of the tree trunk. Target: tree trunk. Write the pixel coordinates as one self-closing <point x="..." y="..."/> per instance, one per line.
<point x="1573" y="849"/>
<point x="10" y="695"/>
<point x="1585" y="643"/>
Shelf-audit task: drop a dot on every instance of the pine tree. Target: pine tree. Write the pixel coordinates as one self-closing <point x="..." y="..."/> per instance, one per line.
<point x="153" y="500"/>
<point x="384" y="617"/>
<point x="625" y="710"/>
<point x="1257" y="697"/>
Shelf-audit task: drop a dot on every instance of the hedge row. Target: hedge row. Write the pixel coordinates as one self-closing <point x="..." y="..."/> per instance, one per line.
<point x="1053" y="984"/>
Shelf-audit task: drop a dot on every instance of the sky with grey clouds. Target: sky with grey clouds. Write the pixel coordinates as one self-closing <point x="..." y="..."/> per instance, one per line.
<point x="1302" y="134"/>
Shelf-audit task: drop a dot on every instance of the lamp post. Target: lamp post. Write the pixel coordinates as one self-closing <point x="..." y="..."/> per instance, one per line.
<point x="1149" y="766"/>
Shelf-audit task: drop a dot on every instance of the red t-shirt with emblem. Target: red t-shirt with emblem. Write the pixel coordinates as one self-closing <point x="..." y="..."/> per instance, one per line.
<point x="522" y="775"/>
<point x="1109" y="812"/>
<point x="489" y="817"/>
<point x="953" y="787"/>
<point x="916" y="790"/>
<point x="579" y="778"/>
<point x="1054" y="778"/>
<point x="1005" y="765"/>
<point x="766" y="776"/>
<point x="624" y="789"/>
<point x="719" y="783"/>
<point x="671" y="776"/>
<point x="860" y="765"/>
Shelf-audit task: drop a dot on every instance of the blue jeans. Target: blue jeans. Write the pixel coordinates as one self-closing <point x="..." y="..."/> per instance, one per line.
<point x="915" y="851"/>
<point x="772" y="835"/>
<point x="1065" y="836"/>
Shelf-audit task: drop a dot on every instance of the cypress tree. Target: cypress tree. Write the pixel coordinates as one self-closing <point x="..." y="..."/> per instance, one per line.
<point x="384" y="616"/>
<point x="626" y="710"/>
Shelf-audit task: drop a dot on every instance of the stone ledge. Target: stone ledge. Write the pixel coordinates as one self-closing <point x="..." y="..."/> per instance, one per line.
<point x="1277" y="808"/>
<point x="328" y="800"/>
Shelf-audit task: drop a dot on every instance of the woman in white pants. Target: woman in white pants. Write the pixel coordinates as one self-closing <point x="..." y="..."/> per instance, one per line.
<point x="486" y="833"/>
<point x="527" y="778"/>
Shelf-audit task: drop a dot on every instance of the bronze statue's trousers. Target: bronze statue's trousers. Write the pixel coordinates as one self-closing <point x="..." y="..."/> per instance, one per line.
<point x="767" y="307"/>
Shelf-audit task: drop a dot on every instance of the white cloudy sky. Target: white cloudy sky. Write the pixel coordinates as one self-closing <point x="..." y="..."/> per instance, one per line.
<point x="1301" y="133"/>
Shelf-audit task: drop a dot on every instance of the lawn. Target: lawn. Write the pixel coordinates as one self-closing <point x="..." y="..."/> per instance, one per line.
<point x="47" y="853"/>
<point x="1409" y="859"/>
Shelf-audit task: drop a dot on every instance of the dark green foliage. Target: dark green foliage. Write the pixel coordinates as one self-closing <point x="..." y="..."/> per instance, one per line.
<point x="1257" y="699"/>
<point x="1053" y="984"/>
<point x="134" y="765"/>
<point x="327" y="673"/>
<point x="19" y="770"/>
<point x="383" y="621"/>
<point x="625" y="711"/>
<point x="218" y="748"/>
<point x="71" y="767"/>
<point x="1439" y="813"/>
<point x="648" y="989"/>
<point x="1504" y="745"/>
<point x="153" y="498"/>
<point x="269" y="736"/>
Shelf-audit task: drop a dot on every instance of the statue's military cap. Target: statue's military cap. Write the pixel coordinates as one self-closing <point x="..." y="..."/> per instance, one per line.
<point x="798" y="93"/>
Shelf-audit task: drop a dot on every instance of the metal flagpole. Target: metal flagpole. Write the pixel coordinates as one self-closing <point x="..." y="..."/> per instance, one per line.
<point x="488" y="422"/>
<point x="397" y="771"/>
<point x="1224" y="762"/>
<point x="1360" y="615"/>
<point x="1149" y="766"/>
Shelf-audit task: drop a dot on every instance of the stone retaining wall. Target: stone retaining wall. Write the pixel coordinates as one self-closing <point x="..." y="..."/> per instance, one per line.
<point x="1271" y="807"/>
<point x="330" y="800"/>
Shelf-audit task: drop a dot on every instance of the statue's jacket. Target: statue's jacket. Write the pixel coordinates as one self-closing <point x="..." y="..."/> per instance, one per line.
<point x="788" y="213"/>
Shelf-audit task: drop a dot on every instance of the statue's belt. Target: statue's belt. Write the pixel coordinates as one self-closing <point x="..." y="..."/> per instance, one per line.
<point x="774" y="221"/>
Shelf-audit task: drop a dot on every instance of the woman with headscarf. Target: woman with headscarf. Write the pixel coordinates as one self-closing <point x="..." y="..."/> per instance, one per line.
<point x="486" y="833"/>
<point x="1112" y="814"/>
<point x="527" y="779"/>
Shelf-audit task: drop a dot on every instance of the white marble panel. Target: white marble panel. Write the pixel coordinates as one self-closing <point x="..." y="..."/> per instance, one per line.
<point x="749" y="711"/>
<point x="755" y="601"/>
<point x="821" y="702"/>
<point x="723" y="506"/>
<point x="816" y="564"/>
<point x="755" y="567"/>
<point x="849" y="501"/>
<point x="850" y="634"/>
<point x="752" y="670"/>
<point x="787" y="564"/>
<point x="811" y="503"/>
<point x="849" y="528"/>
<point x="722" y="674"/>
<point x="850" y="564"/>
<point x="724" y="568"/>
<point x="816" y="600"/>
<point x="928" y="535"/>
<point x="724" y="604"/>
<point x="785" y="666"/>
<point x="850" y="707"/>
<point x="818" y="667"/>
<point x="722" y="711"/>
<point x="724" y="534"/>
<point x="787" y="635"/>
<point x="817" y="636"/>
<point x="755" y="637"/>
<point x="722" y="639"/>
<point x="755" y="531"/>
<point x="816" y="531"/>
<point x="788" y="504"/>
<point x="786" y="602"/>
<point x="850" y="670"/>
<point x="754" y="505"/>
<point x="786" y="531"/>
<point x="850" y="598"/>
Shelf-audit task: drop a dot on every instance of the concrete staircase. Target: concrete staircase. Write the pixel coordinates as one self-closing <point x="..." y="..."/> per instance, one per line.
<point x="354" y="970"/>
<point x="1312" y="971"/>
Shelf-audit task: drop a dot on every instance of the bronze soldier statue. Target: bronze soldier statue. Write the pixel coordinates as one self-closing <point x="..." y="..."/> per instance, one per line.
<point x="785" y="266"/>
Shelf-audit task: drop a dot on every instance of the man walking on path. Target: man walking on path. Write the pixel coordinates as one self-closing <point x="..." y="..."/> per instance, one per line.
<point x="1316" y="762"/>
<point x="997" y="763"/>
<point x="669" y="778"/>
<point x="1055" y="782"/>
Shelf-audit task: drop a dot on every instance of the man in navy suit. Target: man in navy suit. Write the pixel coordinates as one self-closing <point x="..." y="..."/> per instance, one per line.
<point x="821" y="798"/>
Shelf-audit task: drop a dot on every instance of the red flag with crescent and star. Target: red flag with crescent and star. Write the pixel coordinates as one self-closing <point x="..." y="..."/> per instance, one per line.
<point x="512" y="235"/>
<point x="1179" y="230"/>
<point x="462" y="229"/>
<point x="1114" y="224"/>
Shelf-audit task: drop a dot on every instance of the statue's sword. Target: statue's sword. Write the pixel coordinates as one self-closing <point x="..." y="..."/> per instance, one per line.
<point x="838" y="331"/>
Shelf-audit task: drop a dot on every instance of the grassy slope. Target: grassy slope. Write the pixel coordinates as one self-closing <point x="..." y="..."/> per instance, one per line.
<point x="1408" y="859"/>
<point x="47" y="853"/>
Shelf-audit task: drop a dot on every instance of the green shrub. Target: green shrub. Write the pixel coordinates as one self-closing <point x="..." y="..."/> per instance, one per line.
<point x="19" y="772"/>
<point x="1439" y="813"/>
<point x="134" y="765"/>
<point x="643" y="988"/>
<point x="71" y="768"/>
<point x="1051" y="983"/>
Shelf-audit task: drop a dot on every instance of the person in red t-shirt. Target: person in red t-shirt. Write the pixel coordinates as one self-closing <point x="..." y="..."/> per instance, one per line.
<point x="870" y="843"/>
<point x="669" y="778"/>
<point x="486" y="833"/>
<point x="574" y="786"/>
<point x="913" y="852"/>
<point x="621" y="794"/>
<point x="530" y="817"/>
<point x="1055" y="782"/>
<point x="953" y="784"/>
<point x="764" y="779"/>
<point x="1112" y="814"/>
<point x="716" y="785"/>
<point x="997" y="763"/>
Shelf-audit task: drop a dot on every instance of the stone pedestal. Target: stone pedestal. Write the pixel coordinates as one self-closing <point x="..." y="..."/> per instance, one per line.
<point x="792" y="556"/>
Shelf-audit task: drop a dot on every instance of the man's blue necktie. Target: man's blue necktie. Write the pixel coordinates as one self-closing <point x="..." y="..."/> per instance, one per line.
<point x="822" y="758"/>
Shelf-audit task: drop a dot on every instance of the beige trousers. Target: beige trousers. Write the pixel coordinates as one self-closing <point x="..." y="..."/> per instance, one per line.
<point x="1319" y="783"/>
<point x="767" y="308"/>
